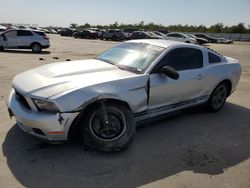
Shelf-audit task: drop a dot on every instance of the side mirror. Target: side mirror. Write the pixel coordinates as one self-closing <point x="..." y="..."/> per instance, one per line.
<point x="170" y="72"/>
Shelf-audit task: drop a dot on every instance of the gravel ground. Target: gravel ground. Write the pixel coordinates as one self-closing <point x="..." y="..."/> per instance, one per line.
<point x="190" y="149"/>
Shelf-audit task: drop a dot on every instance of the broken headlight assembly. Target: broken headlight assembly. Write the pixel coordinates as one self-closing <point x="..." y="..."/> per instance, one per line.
<point x="47" y="106"/>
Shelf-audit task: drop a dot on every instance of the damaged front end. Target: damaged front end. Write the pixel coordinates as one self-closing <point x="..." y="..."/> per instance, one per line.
<point x="43" y="124"/>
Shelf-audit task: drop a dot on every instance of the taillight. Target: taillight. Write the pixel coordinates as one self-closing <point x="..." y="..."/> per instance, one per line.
<point x="45" y="37"/>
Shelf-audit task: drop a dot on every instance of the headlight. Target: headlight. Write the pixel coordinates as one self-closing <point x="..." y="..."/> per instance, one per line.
<point x="44" y="105"/>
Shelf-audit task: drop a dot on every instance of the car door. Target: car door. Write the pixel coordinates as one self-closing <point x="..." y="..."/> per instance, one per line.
<point x="166" y="93"/>
<point x="24" y="38"/>
<point x="10" y="39"/>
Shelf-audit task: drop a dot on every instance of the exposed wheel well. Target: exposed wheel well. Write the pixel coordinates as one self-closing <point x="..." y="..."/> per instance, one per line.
<point x="107" y="101"/>
<point x="73" y="130"/>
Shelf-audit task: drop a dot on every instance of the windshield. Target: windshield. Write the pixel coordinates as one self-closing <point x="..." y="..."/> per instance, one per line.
<point x="134" y="57"/>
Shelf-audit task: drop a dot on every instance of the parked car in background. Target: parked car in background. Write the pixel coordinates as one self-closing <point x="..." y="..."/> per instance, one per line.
<point x="99" y="31"/>
<point x="142" y="35"/>
<point x="154" y="36"/>
<point x="24" y="39"/>
<point x="52" y="31"/>
<point x="179" y="37"/>
<point x="224" y="41"/>
<point x="9" y="27"/>
<point x="35" y="28"/>
<point x="159" y="33"/>
<point x="103" y="99"/>
<point x="21" y="27"/>
<point x="210" y="39"/>
<point x="128" y="32"/>
<point x="112" y="34"/>
<point x="2" y="28"/>
<point x="67" y="32"/>
<point x="86" y="34"/>
<point x="164" y="31"/>
<point x="199" y="40"/>
<point x="215" y="40"/>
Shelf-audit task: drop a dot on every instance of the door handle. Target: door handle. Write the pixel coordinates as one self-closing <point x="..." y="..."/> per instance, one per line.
<point x="200" y="77"/>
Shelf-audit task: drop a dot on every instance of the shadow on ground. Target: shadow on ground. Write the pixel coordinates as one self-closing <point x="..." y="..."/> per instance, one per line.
<point x="199" y="142"/>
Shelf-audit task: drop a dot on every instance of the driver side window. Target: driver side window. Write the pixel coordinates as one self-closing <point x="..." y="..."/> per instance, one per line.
<point x="184" y="59"/>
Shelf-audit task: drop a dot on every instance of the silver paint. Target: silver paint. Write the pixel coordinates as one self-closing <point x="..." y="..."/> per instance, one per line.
<point x="74" y="85"/>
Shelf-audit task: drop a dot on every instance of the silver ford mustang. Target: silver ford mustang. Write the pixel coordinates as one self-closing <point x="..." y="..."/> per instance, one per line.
<point x="103" y="99"/>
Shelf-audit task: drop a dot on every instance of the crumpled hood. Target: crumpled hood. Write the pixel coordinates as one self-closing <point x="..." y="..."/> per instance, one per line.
<point x="55" y="78"/>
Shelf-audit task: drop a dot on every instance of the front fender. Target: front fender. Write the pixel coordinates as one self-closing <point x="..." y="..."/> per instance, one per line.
<point x="132" y="91"/>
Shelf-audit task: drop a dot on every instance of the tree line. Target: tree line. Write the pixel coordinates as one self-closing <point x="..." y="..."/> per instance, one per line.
<point x="216" y="28"/>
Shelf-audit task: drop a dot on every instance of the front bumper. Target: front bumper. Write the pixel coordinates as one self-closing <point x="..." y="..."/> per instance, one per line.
<point x="48" y="126"/>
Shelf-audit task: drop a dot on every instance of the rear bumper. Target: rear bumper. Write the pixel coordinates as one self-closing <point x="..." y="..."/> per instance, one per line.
<point x="43" y="125"/>
<point x="46" y="46"/>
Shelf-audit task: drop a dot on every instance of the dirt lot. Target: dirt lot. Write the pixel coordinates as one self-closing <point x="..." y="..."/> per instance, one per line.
<point x="191" y="149"/>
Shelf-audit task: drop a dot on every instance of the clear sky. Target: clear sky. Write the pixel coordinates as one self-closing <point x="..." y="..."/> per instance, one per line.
<point x="166" y="12"/>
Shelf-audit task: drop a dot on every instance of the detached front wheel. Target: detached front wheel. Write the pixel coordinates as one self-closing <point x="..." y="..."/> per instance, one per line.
<point x="108" y="128"/>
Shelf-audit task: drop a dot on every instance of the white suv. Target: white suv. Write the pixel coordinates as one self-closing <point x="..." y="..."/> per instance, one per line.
<point x="24" y="39"/>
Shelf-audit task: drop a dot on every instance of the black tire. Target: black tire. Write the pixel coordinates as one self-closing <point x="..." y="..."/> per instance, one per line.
<point x="36" y="47"/>
<point x="1" y="48"/>
<point x="218" y="97"/>
<point x="112" y="136"/>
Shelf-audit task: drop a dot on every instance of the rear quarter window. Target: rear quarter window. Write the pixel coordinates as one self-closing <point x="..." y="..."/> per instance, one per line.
<point x="213" y="58"/>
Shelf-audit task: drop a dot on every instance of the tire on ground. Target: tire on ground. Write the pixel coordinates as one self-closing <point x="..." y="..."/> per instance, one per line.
<point x="36" y="47"/>
<point x="119" y="143"/>
<point x="218" y="97"/>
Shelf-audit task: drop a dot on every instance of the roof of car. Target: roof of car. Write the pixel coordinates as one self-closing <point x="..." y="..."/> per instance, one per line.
<point x="160" y="42"/>
<point x="34" y="30"/>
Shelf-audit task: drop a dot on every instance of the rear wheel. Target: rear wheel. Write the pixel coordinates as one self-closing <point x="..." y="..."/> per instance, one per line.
<point x="36" y="47"/>
<point x="111" y="128"/>
<point x="218" y="98"/>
